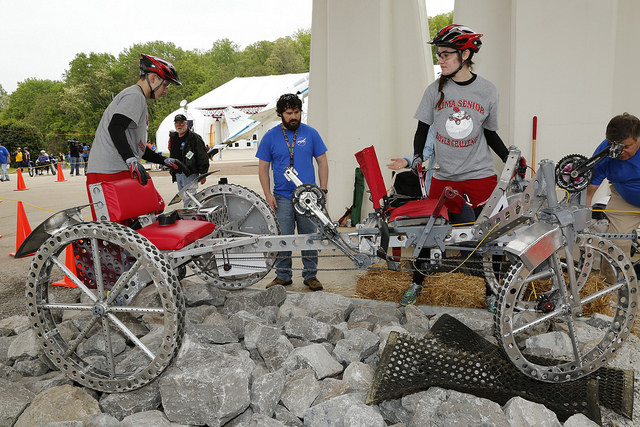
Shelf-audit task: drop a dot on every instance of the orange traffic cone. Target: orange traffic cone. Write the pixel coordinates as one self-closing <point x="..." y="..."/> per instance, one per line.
<point x="60" y="175"/>
<point x="21" y="185"/>
<point x="70" y="262"/>
<point x="23" y="229"/>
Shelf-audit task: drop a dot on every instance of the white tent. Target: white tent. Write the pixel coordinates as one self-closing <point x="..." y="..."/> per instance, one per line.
<point x="250" y="95"/>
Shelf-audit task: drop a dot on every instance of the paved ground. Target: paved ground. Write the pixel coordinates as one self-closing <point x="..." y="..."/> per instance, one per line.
<point x="46" y="196"/>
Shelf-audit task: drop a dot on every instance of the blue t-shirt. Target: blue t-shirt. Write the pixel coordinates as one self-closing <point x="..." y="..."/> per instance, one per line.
<point x="623" y="174"/>
<point x="273" y="149"/>
<point x="4" y="155"/>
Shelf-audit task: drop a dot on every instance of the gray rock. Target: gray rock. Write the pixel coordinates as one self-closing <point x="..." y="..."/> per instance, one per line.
<point x="196" y="315"/>
<point x="521" y="412"/>
<point x="330" y="388"/>
<point x="237" y="322"/>
<point x="9" y="373"/>
<point x="266" y="391"/>
<point x="274" y="353"/>
<point x="358" y="376"/>
<point x="17" y="324"/>
<point x="206" y="385"/>
<point x="324" y="302"/>
<point x="269" y="314"/>
<point x="314" y="357"/>
<point x="14" y="398"/>
<point x="252" y="301"/>
<point x="211" y="333"/>
<point x="394" y="412"/>
<point x="26" y="345"/>
<point x="41" y="383"/>
<point x="300" y="390"/>
<point x="451" y="408"/>
<point x="579" y="420"/>
<point x="121" y="405"/>
<point x="5" y="343"/>
<point x="197" y="294"/>
<point x="417" y="323"/>
<point x="554" y="344"/>
<point x="254" y="332"/>
<point x="376" y="313"/>
<point x="64" y="403"/>
<point x="100" y="420"/>
<point x="146" y="419"/>
<point x="357" y="345"/>
<point x="283" y="415"/>
<point x="287" y="310"/>
<point x="31" y="367"/>
<point x="259" y="420"/>
<point x="308" y="329"/>
<point x="95" y="345"/>
<point x="333" y="412"/>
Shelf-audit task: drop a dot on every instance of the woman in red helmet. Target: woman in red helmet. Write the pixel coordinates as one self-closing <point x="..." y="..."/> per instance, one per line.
<point x="121" y="138"/>
<point x="462" y="108"/>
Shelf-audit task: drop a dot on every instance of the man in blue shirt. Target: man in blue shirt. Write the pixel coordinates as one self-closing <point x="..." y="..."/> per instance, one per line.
<point x="292" y="143"/>
<point x="4" y="163"/>
<point x="623" y="209"/>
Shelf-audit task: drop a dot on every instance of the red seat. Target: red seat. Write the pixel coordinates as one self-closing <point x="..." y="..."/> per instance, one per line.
<point x="418" y="209"/>
<point x="177" y="235"/>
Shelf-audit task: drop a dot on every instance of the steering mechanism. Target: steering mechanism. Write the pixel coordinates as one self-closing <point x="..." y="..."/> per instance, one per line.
<point x="574" y="172"/>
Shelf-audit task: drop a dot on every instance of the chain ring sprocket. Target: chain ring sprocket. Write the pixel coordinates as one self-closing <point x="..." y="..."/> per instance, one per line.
<point x="564" y="168"/>
<point x="248" y="213"/>
<point x="131" y="315"/>
<point x="305" y="195"/>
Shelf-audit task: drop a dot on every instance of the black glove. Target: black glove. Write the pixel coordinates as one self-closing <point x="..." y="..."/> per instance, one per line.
<point x="176" y="165"/>
<point x="137" y="171"/>
<point x="417" y="160"/>
<point x="522" y="167"/>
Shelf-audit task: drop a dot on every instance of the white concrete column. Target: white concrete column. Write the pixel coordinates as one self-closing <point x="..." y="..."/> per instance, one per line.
<point x="571" y="63"/>
<point x="370" y="65"/>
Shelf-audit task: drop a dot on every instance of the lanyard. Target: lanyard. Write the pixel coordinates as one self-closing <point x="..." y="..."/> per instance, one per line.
<point x="290" y="146"/>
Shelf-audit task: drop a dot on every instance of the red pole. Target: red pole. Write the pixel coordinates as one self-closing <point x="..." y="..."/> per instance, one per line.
<point x="533" y="143"/>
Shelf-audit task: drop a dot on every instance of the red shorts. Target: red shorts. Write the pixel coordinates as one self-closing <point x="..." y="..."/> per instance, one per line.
<point x="477" y="190"/>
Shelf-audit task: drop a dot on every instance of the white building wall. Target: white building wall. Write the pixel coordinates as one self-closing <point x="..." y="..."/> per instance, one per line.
<point x="570" y="63"/>
<point x="369" y="67"/>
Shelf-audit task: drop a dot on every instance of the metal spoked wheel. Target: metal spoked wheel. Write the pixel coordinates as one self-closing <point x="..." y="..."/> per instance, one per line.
<point x="248" y="214"/>
<point x="128" y="321"/>
<point x="538" y="301"/>
<point x="494" y="269"/>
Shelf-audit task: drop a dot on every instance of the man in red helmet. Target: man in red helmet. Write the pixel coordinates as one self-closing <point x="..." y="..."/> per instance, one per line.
<point x="121" y="137"/>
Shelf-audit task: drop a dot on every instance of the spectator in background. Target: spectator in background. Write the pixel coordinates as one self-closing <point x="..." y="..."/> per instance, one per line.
<point x="19" y="156"/>
<point x="74" y="156"/>
<point x="4" y="163"/>
<point x="85" y="157"/>
<point x="188" y="147"/>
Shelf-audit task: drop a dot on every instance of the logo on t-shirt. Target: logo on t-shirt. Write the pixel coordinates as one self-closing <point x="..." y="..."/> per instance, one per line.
<point x="301" y="142"/>
<point x="460" y="124"/>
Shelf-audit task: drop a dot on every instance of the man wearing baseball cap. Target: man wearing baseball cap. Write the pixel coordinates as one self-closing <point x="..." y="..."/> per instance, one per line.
<point x="188" y="147"/>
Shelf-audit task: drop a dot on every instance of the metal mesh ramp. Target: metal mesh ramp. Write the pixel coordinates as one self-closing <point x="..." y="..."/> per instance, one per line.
<point x="452" y="356"/>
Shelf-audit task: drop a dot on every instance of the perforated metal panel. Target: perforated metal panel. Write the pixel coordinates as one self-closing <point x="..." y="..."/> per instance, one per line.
<point x="452" y="356"/>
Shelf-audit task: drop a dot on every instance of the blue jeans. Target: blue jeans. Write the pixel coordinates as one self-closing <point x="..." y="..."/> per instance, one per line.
<point x="75" y="164"/>
<point x="288" y="218"/>
<point x="183" y="180"/>
<point x="3" y="168"/>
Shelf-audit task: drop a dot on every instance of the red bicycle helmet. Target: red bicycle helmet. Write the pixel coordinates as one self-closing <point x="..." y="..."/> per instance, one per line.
<point x="159" y="66"/>
<point x="458" y="37"/>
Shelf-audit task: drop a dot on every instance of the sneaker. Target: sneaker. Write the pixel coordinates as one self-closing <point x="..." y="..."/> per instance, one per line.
<point x="411" y="295"/>
<point x="491" y="302"/>
<point x="279" y="281"/>
<point x="313" y="284"/>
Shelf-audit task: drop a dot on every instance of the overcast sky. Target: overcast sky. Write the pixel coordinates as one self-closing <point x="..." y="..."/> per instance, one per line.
<point x="39" y="38"/>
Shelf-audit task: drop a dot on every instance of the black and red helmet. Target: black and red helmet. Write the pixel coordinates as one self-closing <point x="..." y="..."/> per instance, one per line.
<point x="159" y="66"/>
<point x="458" y="37"/>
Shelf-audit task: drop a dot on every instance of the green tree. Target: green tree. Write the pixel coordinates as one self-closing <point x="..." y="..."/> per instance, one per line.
<point x="4" y="99"/>
<point x="436" y="23"/>
<point x="285" y="58"/>
<point x="14" y="134"/>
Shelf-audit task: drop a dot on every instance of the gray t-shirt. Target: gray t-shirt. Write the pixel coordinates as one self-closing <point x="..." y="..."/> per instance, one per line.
<point x="105" y="158"/>
<point x="461" y="148"/>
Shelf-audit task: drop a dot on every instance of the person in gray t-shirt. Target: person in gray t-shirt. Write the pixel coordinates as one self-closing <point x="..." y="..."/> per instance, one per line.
<point x="462" y="107"/>
<point x="121" y="137"/>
